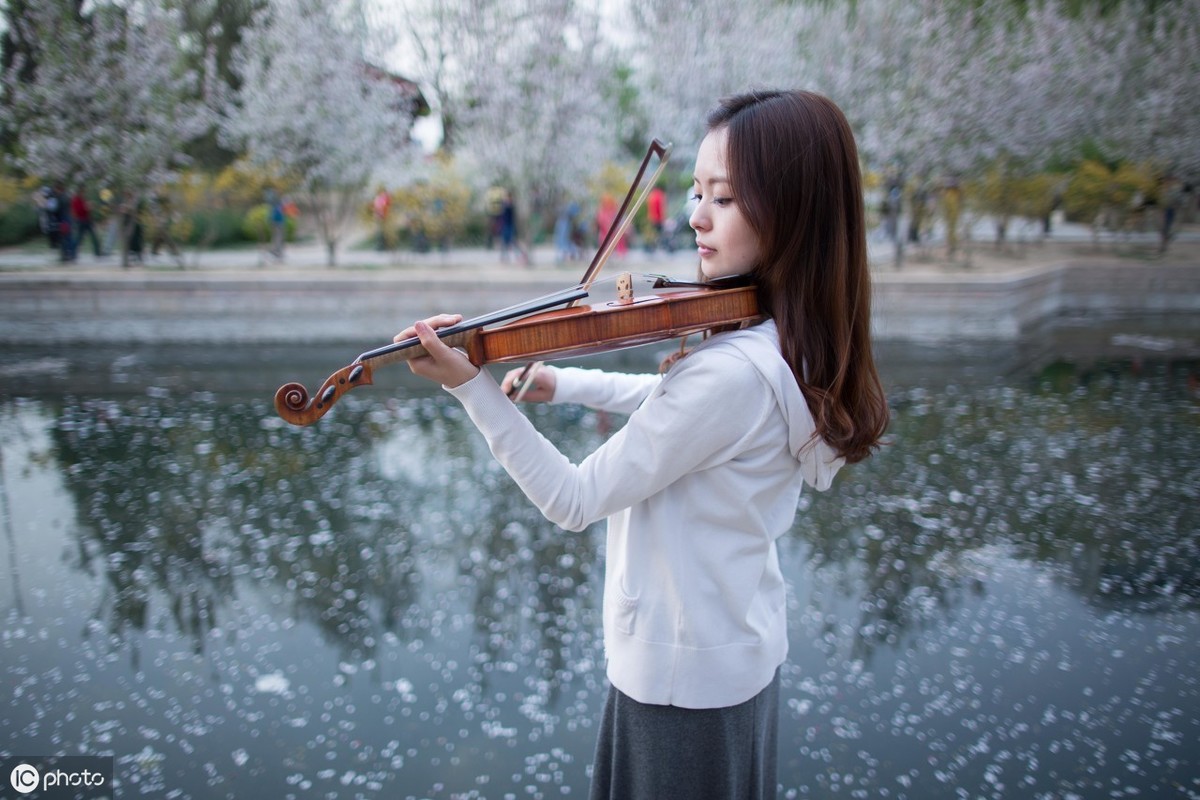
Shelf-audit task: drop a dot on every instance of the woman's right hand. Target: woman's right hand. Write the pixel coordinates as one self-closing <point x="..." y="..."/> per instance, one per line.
<point x="535" y="387"/>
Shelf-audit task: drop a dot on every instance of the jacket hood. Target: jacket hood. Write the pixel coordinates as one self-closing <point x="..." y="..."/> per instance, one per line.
<point x="818" y="461"/>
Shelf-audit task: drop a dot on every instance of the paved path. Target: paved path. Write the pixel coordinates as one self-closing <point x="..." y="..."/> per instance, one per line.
<point x="979" y="255"/>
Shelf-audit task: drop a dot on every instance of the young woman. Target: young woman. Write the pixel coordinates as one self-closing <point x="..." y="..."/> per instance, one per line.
<point x="706" y="474"/>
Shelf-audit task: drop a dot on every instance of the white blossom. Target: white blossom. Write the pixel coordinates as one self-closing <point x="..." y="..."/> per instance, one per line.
<point x="1154" y="108"/>
<point x="687" y="55"/>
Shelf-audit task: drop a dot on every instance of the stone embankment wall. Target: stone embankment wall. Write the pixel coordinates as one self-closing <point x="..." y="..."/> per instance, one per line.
<point x="1004" y="306"/>
<point x="213" y="308"/>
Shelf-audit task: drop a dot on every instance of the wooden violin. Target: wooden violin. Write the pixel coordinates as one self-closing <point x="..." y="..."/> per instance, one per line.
<point x="539" y="329"/>
<point x="669" y="310"/>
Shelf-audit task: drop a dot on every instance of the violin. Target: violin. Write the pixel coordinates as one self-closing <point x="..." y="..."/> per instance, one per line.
<point x="672" y="309"/>
<point x="642" y="309"/>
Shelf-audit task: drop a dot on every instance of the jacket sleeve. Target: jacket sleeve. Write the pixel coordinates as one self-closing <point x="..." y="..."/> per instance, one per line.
<point x="682" y="427"/>
<point x="617" y="392"/>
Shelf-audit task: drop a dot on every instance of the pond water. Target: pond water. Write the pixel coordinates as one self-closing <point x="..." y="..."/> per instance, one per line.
<point x="1003" y="603"/>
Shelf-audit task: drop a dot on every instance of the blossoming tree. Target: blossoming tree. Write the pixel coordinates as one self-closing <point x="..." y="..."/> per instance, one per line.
<point x="107" y="101"/>
<point x="521" y="86"/>
<point x="315" y="112"/>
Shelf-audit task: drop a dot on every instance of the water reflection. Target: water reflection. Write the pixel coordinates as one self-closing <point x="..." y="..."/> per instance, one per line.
<point x="1093" y="473"/>
<point x="348" y="519"/>
<point x="368" y="607"/>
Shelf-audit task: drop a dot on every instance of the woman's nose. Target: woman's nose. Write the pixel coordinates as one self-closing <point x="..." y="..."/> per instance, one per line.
<point x="698" y="218"/>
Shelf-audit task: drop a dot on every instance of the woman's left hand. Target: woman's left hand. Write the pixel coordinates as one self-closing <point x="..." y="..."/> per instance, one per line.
<point x="443" y="364"/>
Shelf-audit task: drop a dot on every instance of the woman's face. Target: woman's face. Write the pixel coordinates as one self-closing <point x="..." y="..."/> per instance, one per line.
<point x="724" y="239"/>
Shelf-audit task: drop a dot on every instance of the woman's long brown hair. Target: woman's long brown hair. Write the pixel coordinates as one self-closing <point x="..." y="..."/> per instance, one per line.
<point x="793" y="166"/>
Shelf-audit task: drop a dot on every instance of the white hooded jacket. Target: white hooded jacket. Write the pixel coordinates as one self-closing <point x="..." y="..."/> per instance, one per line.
<point x="696" y="486"/>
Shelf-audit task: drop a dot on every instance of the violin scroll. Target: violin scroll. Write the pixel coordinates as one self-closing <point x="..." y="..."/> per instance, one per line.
<point x="293" y="404"/>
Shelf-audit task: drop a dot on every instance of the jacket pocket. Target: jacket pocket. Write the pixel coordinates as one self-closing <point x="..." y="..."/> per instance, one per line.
<point x="624" y="612"/>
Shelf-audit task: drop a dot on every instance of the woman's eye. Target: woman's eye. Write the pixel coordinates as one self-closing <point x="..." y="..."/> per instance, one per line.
<point x="720" y="202"/>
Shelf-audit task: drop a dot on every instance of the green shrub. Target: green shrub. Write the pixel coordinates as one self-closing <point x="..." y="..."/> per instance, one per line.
<point x="1104" y="196"/>
<point x="256" y="226"/>
<point x="18" y="224"/>
<point x="218" y="227"/>
<point x="475" y="230"/>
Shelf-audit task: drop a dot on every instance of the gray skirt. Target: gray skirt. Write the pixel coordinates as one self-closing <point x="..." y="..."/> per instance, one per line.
<point x="648" y="752"/>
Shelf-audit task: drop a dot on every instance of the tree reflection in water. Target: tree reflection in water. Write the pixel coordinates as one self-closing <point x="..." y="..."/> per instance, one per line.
<point x="390" y="533"/>
<point x="177" y="506"/>
<point x="1093" y="475"/>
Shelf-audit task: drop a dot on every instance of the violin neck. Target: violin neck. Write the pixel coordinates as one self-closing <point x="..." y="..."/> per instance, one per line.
<point x="409" y="349"/>
<point x="465" y="333"/>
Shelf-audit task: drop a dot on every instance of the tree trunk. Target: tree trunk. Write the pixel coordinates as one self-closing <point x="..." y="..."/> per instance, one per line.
<point x="126" y="228"/>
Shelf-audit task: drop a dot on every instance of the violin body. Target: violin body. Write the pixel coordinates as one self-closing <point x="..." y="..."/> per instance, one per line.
<point x="590" y="329"/>
<point x="675" y="310"/>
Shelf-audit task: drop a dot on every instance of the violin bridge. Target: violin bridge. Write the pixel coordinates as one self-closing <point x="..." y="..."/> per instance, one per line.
<point x="625" y="288"/>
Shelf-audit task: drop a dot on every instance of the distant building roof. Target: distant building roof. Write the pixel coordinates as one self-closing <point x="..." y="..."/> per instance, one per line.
<point x="408" y="90"/>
